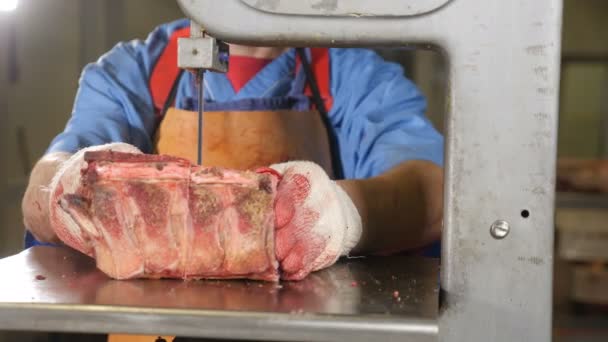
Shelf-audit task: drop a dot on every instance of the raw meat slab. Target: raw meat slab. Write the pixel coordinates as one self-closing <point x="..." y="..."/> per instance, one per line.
<point x="150" y="216"/>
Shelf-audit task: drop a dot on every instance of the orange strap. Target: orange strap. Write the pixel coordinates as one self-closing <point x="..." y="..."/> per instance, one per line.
<point x="321" y="68"/>
<point x="165" y="72"/>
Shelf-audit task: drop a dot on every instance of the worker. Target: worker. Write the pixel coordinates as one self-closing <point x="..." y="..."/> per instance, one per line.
<point x="365" y="177"/>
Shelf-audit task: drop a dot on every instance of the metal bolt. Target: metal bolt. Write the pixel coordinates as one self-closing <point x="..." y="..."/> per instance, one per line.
<point x="195" y="52"/>
<point x="500" y="229"/>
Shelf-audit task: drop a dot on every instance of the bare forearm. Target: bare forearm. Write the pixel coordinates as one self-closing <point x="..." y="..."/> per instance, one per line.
<point x="401" y="209"/>
<point x="35" y="204"/>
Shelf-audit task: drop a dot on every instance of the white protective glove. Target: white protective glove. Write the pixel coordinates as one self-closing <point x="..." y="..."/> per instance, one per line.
<point x="316" y="221"/>
<point x="68" y="180"/>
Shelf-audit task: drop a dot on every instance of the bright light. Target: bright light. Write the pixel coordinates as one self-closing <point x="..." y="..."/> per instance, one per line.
<point x="8" y="5"/>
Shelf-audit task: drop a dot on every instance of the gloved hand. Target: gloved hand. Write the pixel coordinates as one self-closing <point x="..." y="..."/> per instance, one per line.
<point x="316" y="221"/>
<point x="67" y="180"/>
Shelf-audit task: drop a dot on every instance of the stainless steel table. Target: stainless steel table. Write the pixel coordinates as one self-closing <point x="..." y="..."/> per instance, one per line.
<point x="384" y="299"/>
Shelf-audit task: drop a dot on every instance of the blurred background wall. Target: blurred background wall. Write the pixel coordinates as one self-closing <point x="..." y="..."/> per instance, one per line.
<point x="584" y="100"/>
<point x="43" y="47"/>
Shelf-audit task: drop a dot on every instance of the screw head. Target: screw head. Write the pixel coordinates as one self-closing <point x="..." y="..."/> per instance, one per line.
<point x="500" y="229"/>
<point x="195" y="52"/>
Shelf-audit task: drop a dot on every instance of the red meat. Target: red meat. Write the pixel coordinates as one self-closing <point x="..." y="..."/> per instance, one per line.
<point x="150" y="216"/>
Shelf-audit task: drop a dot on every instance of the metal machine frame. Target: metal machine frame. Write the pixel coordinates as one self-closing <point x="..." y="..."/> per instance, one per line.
<point x="496" y="275"/>
<point x="504" y="59"/>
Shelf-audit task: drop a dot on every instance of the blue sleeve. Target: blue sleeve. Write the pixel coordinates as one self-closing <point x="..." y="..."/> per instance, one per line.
<point x="379" y="115"/>
<point x="113" y="103"/>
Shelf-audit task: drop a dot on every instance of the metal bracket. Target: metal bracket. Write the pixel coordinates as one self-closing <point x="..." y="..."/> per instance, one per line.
<point x="201" y="51"/>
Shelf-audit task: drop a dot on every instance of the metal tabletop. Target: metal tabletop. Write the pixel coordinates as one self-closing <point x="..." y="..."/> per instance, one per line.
<point x="60" y="290"/>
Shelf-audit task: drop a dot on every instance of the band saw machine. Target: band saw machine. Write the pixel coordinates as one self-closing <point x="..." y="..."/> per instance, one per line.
<point x="496" y="266"/>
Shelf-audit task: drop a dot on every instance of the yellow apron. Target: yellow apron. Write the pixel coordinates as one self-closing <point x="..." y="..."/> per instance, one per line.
<point x="246" y="140"/>
<point x="242" y="141"/>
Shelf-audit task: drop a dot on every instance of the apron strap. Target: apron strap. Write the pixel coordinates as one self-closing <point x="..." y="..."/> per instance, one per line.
<point x="165" y="73"/>
<point x="170" y="102"/>
<point x="320" y="106"/>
